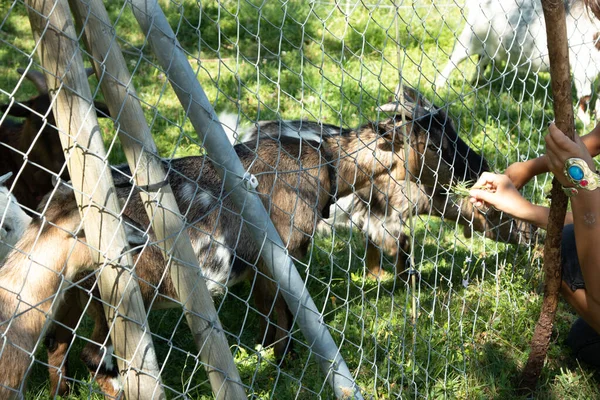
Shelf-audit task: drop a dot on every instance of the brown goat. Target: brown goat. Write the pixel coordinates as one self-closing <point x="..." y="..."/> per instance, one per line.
<point x="382" y="210"/>
<point x="31" y="149"/>
<point x="297" y="178"/>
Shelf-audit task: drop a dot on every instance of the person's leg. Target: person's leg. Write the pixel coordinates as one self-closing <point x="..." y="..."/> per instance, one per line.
<point x="583" y="340"/>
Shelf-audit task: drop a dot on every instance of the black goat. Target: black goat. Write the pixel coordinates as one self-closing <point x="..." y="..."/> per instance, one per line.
<point x="31" y="149"/>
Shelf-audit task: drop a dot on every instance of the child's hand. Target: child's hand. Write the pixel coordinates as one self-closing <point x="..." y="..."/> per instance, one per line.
<point x="519" y="173"/>
<point x="498" y="191"/>
<point x="559" y="148"/>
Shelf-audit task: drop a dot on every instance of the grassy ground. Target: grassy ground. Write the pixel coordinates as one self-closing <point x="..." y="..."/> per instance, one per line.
<point x="464" y="330"/>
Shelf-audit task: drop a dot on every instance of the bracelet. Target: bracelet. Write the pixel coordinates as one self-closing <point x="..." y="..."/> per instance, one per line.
<point x="580" y="175"/>
<point x="570" y="191"/>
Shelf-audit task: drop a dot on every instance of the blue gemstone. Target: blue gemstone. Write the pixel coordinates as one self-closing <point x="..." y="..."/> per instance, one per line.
<point x="576" y="172"/>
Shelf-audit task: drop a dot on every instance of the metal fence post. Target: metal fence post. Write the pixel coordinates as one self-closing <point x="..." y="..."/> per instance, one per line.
<point x="185" y="84"/>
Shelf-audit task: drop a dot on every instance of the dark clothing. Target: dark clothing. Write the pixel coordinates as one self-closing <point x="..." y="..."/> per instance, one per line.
<point x="583" y="340"/>
<point x="584" y="343"/>
<point x="571" y="271"/>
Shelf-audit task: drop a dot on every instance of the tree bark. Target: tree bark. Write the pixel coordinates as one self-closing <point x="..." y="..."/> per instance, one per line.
<point x="560" y="75"/>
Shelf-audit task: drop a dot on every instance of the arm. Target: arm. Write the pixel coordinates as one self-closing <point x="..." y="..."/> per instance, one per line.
<point x="586" y="210"/>
<point x="499" y="192"/>
<point x="521" y="172"/>
<point x="592" y="141"/>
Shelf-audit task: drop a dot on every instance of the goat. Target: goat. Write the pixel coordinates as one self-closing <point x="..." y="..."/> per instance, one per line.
<point x="31" y="150"/>
<point x="297" y="175"/>
<point x="383" y="215"/>
<point x="15" y="219"/>
<point x="382" y="209"/>
<point x="514" y="31"/>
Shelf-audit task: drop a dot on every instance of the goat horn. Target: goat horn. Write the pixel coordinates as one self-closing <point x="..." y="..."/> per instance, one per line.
<point x="416" y="97"/>
<point x="411" y="95"/>
<point x="37" y="78"/>
<point x="398" y="108"/>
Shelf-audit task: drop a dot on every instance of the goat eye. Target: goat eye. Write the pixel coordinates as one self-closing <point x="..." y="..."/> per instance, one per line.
<point x="433" y="147"/>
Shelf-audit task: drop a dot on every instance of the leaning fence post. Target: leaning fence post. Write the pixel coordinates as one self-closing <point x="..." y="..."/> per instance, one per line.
<point x="560" y="74"/>
<point x="202" y="116"/>
<point x="167" y="222"/>
<point x="61" y="59"/>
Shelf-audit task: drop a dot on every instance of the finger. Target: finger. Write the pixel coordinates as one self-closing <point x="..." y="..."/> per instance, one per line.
<point x="553" y="129"/>
<point x="560" y="140"/>
<point x="550" y="143"/>
<point x="482" y="195"/>
<point x="483" y="180"/>
<point x="553" y="158"/>
<point x="477" y="203"/>
<point x="487" y="179"/>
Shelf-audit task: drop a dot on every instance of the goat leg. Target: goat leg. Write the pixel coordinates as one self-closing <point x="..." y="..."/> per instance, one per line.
<point x="283" y="334"/>
<point x="272" y="331"/>
<point x="58" y="339"/>
<point x="373" y="260"/>
<point x="97" y="357"/>
<point x="396" y="249"/>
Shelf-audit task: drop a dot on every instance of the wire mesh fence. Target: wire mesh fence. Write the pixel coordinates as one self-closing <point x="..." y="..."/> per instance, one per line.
<point x="358" y="124"/>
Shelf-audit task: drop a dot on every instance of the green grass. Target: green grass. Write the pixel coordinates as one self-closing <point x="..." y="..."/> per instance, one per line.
<point x="477" y="301"/>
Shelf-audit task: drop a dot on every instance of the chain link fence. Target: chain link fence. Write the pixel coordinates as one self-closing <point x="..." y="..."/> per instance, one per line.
<point x="424" y="296"/>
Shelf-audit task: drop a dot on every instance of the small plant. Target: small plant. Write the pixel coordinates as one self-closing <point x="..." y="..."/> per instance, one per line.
<point x="463" y="189"/>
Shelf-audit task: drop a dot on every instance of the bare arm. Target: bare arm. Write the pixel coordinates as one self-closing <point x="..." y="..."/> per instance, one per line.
<point x="586" y="209"/>
<point x="539" y="215"/>
<point x="592" y="141"/>
<point x="498" y="191"/>
<point x="521" y="172"/>
<point x="586" y="218"/>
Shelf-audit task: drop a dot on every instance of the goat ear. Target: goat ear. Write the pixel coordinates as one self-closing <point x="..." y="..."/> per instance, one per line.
<point x="410" y="104"/>
<point x="19" y="110"/>
<point x="398" y="108"/>
<point x="413" y="96"/>
<point x="5" y="177"/>
<point x="36" y="77"/>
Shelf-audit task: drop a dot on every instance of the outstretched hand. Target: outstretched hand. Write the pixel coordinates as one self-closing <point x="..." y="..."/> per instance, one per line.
<point x="498" y="191"/>
<point x="559" y="148"/>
